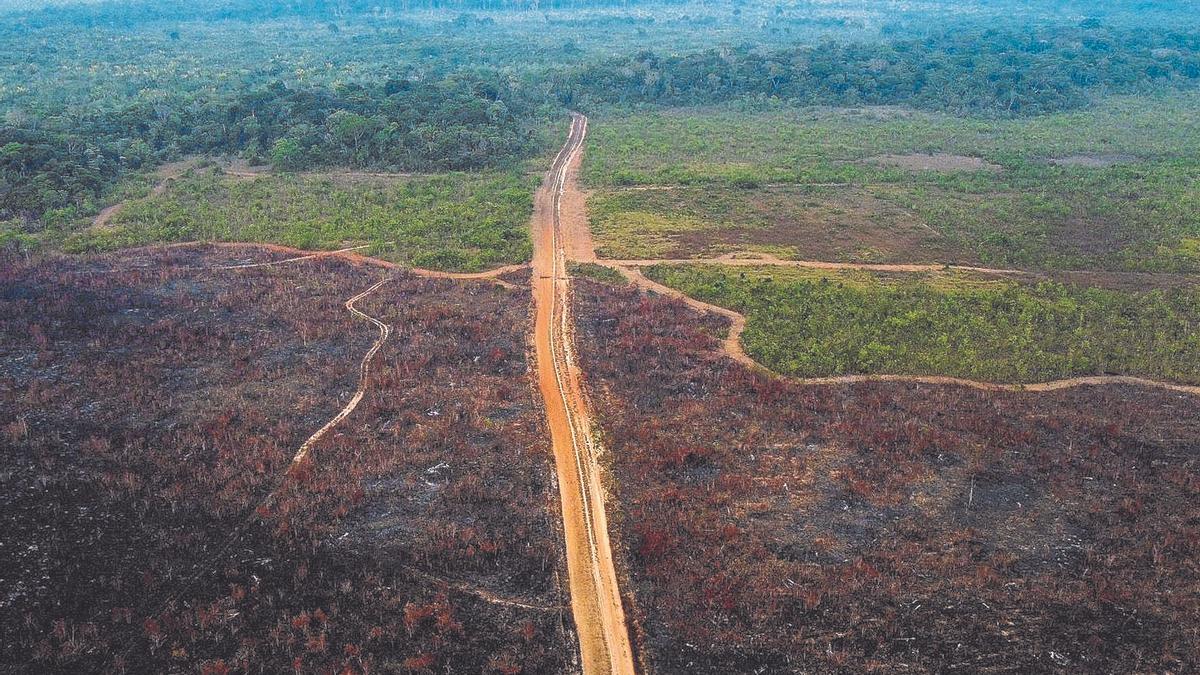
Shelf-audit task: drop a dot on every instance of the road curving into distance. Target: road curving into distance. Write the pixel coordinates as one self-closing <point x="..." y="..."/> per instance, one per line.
<point x="595" y="595"/>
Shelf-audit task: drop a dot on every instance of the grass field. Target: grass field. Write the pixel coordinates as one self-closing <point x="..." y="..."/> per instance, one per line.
<point x="456" y="221"/>
<point x="810" y="323"/>
<point x="1114" y="187"/>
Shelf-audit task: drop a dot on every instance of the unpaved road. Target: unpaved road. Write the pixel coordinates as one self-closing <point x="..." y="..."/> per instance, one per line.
<point x="166" y="174"/>
<point x="1146" y="279"/>
<point x="595" y="595"/>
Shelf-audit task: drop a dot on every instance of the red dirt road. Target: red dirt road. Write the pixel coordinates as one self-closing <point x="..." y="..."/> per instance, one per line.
<point x="595" y="596"/>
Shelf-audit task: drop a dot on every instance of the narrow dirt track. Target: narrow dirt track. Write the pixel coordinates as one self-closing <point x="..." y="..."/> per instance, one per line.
<point x="166" y="174"/>
<point x="364" y="370"/>
<point x="348" y="254"/>
<point x="595" y="595"/>
<point x="302" y="452"/>
<point x="1151" y="279"/>
<point x="763" y="259"/>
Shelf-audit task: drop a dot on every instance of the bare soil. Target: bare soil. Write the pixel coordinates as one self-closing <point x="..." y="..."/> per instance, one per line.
<point x="596" y="601"/>
<point x="935" y="162"/>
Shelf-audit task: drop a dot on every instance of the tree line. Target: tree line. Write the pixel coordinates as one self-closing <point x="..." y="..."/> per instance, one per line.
<point x="990" y="72"/>
<point x="59" y="164"/>
<point x="52" y="166"/>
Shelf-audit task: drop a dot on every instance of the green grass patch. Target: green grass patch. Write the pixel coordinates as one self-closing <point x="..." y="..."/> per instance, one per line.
<point x="815" y="323"/>
<point x="781" y="143"/>
<point x="454" y="221"/>
<point x="597" y="272"/>
<point x="1123" y="195"/>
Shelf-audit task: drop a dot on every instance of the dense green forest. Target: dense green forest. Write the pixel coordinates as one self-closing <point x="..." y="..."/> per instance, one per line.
<point x="462" y="122"/>
<point x="990" y="72"/>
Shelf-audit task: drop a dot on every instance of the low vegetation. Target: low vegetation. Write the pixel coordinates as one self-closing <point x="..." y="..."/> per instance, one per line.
<point x="452" y="221"/>
<point x="838" y="223"/>
<point x="810" y="323"/>
<point x="593" y="271"/>
<point x="146" y="416"/>
<point x="1112" y="187"/>
<point x="773" y="527"/>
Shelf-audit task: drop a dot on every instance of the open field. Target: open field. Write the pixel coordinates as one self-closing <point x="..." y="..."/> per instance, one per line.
<point x="155" y="520"/>
<point x="625" y="337"/>
<point x="1112" y="187"/>
<point x="888" y="527"/>
<point x="454" y="221"/>
<point x="792" y="222"/>
<point x="814" y="323"/>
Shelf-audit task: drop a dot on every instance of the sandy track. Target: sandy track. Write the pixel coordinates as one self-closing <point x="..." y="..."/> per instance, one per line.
<point x="298" y="254"/>
<point x="302" y="452"/>
<point x="364" y="371"/>
<point x="765" y="260"/>
<point x="732" y="347"/>
<point x="166" y="174"/>
<point x="595" y="595"/>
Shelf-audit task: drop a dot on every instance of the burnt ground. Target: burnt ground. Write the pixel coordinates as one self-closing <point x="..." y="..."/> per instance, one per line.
<point x="771" y="527"/>
<point x="145" y="416"/>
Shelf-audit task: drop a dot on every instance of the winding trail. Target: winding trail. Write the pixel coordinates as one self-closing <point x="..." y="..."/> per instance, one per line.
<point x="166" y="174"/>
<point x="1149" y="279"/>
<point x="492" y="275"/>
<point x="595" y="596"/>
<point x="302" y="452"/>
<point x="364" y="370"/>
<point x="764" y="260"/>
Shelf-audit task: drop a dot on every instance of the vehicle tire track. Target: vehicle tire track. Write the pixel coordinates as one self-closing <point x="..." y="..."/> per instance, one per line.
<point x="493" y="275"/>
<point x="767" y="260"/>
<point x="596" y="602"/>
<point x="302" y="453"/>
<point x="364" y="371"/>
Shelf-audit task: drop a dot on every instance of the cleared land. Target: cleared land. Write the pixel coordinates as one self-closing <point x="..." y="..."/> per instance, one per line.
<point x="882" y="527"/>
<point x="146" y="416"/>
<point x="768" y="180"/>
<point x="457" y="221"/>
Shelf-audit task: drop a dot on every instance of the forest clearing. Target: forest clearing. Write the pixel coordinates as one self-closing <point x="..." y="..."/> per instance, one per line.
<point x="599" y="337"/>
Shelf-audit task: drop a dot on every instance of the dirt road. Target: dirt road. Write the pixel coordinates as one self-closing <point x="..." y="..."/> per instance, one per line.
<point x="165" y="173"/>
<point x="595" y="596"/>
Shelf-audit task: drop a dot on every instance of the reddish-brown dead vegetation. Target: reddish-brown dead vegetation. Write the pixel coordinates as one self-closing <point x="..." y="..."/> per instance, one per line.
<point x="774" y="527"/>
<point x="145" y="416"/>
